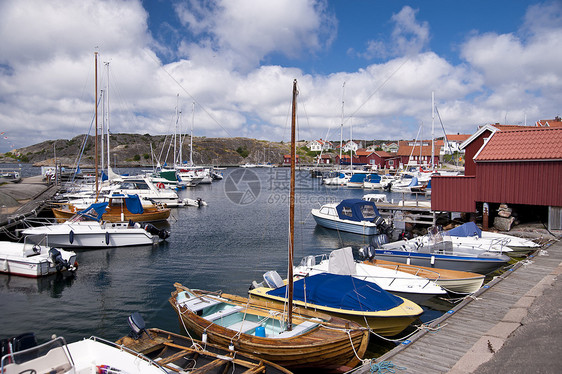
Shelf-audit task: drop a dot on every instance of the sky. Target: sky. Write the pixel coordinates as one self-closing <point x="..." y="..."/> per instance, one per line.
<point x="225" y="68"/>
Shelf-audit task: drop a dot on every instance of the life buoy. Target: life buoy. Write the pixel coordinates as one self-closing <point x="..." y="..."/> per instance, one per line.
<point x="160" y="185"/>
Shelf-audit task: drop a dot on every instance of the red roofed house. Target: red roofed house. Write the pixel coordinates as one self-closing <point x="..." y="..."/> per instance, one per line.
<point x="287" y="159"/>
<point x="556" y="122"/>
<point x="516" y="165"/>
<point x="418" y="153"/>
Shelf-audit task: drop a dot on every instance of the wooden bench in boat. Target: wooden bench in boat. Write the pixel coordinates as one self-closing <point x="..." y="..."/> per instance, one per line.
<point x="244" y="326"/>
<point x="297" y="330"/>
<point x="195" y="303"/>
<point x="223" y="313"/>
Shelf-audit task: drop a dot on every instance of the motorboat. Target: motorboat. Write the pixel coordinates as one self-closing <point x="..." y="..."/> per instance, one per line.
<point x="433" y="250"/>
<point x="518" y="246"/>
<point x="337" y="178"/>
<point x="341" y="261"/>
<point x="120" y="208"/>
<point x="146" y="190"/>
<point x="22" y="354"/>
<point x="376" y="198"/>
<point x="87" y="228"/>
<point x="372" y="181"/>
<point x="356" y="180"/>
<point x="33" y="260"/>
<point x="351" y="215"/>
<point x="408" y="185"/>
<point x="346" y="297"/>
<point x="182" y="353"/>
<point x="261" y="329"/>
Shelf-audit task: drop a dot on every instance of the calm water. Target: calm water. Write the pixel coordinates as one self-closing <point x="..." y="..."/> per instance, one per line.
<point x="241" y="234"/>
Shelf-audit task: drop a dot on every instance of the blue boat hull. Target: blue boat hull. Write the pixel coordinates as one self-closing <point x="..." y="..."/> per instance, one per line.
<point x="478" y="264"/>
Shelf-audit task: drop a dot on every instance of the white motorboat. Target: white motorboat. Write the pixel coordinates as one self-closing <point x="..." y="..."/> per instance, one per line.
<point x="409" y="286"/>
<point x="146" y="190"/>
<point x="33" y="260"/>
<point x="351" y="215"/>
<point x="22" y="354"/>
<point x="87" y="229"/>
<point x="515" y="244"/>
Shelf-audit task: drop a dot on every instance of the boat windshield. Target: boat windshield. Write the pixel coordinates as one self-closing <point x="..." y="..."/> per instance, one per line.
<point x="368" y="211"/>
<point x="58" y="359"/>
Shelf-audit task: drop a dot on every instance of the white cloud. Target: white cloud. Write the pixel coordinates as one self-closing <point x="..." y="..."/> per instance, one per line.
<point x="409" y="37"/>
<point x="244" y="32"/>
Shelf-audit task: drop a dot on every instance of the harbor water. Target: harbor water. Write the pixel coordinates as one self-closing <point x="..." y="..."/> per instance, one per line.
<point x="238" y="236"/>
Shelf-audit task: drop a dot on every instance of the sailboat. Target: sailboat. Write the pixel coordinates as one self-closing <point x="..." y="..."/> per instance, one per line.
<point x="291" y="337"/>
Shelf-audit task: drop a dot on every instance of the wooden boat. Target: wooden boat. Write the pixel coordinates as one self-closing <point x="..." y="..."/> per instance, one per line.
<point x="347" y="297"/>
<point x="180" y="354"/>
<point x="291" y="337"/>
<point x="315" y="341"/>
<point x="454" y="281"/>
<point x="120" y="208"/>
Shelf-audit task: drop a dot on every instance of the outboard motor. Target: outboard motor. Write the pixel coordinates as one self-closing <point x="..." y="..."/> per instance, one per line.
<point x="56" y="257"/>
<point x="138" y="327"/>
<point x="367" y="253"/>
<point x="383" y="227"/>
<point x="199" y="202"/>
<point x="162" y="234"/>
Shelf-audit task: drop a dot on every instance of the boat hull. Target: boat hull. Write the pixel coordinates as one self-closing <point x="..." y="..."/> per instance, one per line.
<point x="362" y="228"/>
<point x="15" y="259"/>
<point x="454" y="281"/>
<point x="476" y="264"/>
<point x="103" y="238"/>
<point x="149" y="215"/>
<point x="322" y="347"/>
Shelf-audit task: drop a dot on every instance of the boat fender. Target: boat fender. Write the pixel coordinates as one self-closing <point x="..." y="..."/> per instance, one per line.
<point x="107" y="238"/>
<point x="163" y="234"/>
<point x="71" y="236"/>
<point x="408" y="261"/>
<point x="204" y="337"/>
<point x="432" y="260"/>
<point x="5" y="266"/>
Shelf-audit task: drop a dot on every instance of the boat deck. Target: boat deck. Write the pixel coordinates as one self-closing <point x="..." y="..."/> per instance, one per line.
<point x="474" y="329"/>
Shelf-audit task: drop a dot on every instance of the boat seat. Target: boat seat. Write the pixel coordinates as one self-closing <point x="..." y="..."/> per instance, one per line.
<point x="195" y="303"/>
<point x="297" y="330"/>
<point x="223" y="313"/>
<point x="244" y="326"/>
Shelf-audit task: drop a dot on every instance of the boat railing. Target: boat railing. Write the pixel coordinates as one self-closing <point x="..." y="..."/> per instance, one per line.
<point x="420" y="272"/>
<point x="502" y="242"/>
<point x="27" y="360"/>
<point x="128" y="350"/>
<point x="374" y="278"/>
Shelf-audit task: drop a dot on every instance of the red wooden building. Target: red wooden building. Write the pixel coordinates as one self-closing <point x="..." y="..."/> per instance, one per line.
<point x="505" y="165"/>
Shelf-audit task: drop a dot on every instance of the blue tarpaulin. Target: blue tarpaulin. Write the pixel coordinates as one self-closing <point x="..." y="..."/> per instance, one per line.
<point x="465" y="230"/>
<point x="94" y="211"/>
<point x="341" y="291"/>
<point x="133" y="204"/>
<point x="357" y="210"/>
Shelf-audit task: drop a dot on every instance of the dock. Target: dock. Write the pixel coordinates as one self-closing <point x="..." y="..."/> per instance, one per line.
<point x="22" y="200"/>
<point x="474" y="330"/>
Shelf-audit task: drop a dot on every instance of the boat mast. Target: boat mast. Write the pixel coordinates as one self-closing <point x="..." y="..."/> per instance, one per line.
<point x="96" y="116"/>
<point x="107" y="125"/>
<point x="292" y="207"/>
<point x="432" y="130"/>
<point x="191" y="134"/>
<point x="341" y="125"/>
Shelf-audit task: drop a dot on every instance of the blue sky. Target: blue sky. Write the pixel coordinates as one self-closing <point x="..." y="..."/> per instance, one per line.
<point x="486" y="61"/>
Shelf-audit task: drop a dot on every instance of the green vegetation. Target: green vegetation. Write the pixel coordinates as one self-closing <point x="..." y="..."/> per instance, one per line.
<point x="146" y="156"/>
<point x="243" y="151"/>
<point x="136" y="158"/>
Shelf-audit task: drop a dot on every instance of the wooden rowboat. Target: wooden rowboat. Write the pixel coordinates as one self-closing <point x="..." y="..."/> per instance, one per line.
<point x="180" y="354"/>
<point x="316" y="341"/>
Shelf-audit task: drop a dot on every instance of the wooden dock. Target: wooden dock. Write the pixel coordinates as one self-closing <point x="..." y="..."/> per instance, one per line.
<point x="474" y="329"/>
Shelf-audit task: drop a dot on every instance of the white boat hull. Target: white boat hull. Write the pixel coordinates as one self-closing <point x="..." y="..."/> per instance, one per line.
<point x="23" y="260"/>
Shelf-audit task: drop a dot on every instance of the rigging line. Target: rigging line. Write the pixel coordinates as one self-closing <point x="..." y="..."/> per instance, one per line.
<point x="377" y="89"/>
<point x="188" y="94"/>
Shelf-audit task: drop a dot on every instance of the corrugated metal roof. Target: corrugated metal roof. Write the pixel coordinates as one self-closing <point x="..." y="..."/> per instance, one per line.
<point x="536" y="144"/>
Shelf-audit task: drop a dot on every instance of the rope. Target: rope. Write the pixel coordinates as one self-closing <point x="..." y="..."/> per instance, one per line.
<point x="385" y="367"/>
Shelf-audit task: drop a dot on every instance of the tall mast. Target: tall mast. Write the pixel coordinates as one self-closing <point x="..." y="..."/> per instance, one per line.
<point x="96" y="115"/>
<point x="107" y="123"/>
<point x="432" y="129"/>
<point x="191" y="135"/>
<point x="341" y="125"/>
<point x="176" y="133"/>
<point x="292" y="207"/>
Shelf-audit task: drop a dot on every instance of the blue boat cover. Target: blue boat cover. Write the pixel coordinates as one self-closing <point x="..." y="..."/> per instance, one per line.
<point x="133" y="204"/>
<point x="428" y="187"/>
<point x="94" y="211"/>
<point x="414" y="182"/>
<point x="374" y="178"/>
<point x="357" y="210"/>
<point x="340" y="291"/>
<point x="465" y="230"/>
<point x="357" y="178"/>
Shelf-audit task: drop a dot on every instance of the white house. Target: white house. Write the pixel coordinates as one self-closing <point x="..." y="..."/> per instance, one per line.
<point x="351" y="146"/>
<point x="319" y="145"/>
